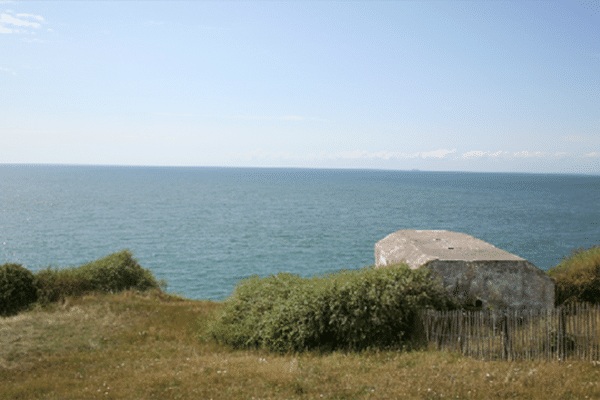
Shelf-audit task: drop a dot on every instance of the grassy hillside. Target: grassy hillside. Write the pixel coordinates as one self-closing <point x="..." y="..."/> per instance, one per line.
<point x="135" y="345"/>
<point x="147" y="344"/>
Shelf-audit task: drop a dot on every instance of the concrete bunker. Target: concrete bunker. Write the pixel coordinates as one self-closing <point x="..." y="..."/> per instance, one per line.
<point x="470" y="269"/>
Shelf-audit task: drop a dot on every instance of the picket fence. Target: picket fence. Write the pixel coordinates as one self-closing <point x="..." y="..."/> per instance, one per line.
<point x="564" y="333"/>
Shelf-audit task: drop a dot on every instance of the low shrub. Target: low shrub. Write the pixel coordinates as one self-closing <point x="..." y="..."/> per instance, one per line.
<point x="113" y="273"/>
<point x="117" y="272"/>
<point x="354" y="310"/>
<point x="17" y="288"/>
<point x="55" y="285"/>
<point x="577" y="278"/>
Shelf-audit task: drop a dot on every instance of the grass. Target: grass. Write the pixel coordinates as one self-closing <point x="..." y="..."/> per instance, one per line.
<point x="146" y="345"/>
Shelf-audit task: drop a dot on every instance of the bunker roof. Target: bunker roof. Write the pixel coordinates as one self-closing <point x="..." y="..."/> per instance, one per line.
<point x="418" y="247"/>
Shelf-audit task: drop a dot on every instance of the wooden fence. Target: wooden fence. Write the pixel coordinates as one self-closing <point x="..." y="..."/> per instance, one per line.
<point x="569" y="332"/>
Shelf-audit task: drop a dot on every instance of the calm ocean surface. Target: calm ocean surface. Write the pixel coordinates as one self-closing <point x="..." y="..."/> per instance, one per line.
<point x="205" y="228"/>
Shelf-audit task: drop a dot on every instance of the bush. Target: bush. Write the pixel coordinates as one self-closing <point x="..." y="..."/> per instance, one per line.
<point x="352" y="310"/>
<point x="577" y="278"/>
<point x="55" y="285"/>
<point x="117" y="272"/>
<point x="17" y="289"/>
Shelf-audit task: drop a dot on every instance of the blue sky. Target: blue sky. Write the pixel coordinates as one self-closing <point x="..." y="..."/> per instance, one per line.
<point x="487" y="86"/>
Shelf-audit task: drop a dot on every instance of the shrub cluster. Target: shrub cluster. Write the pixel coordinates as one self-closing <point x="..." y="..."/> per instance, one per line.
<point x="17" y="289"/>
<point x="353" y="310"/>
<point x="55" y="284"/>
<point x="577" y="278"/>
<point x="113" y="273"/>
<point x="117" y="272"/>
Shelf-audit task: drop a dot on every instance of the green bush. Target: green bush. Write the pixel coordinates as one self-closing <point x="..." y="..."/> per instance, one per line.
<point x="17" y="288"/>
<point x="354" y="310"/>
<point x="117" y="272"/>
<point x="577" y="278"/>
<point x="55" y="285"/>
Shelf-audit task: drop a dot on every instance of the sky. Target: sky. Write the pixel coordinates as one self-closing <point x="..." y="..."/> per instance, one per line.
<point x="481" y="86"/>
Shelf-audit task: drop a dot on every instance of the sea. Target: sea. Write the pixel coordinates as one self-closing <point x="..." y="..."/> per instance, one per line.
<point x="205" y="229"/>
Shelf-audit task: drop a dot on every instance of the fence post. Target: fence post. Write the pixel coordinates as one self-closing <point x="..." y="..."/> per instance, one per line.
<point x="506" y="329"/>
<point x="504" y="336"/>
<point x="562" y="332"/>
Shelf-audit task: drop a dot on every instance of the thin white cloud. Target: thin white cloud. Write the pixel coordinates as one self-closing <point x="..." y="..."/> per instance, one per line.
<point x="175" y="115"/>
<point x="258" y="153"/>
<point x="349" y="154"/>
<point x="281" y="155"/>
<point x="39" y="18"/>
<point x="478" y="154"/>
<point x="594" y="154"/>
<point x="283" y="118"/>
<point x="386" y="155"/>
<point x="8" y="70"/>
<point x="291" y="118"/>
<point x="581" y="139"/>
<point x="9" y="19"/>
<point x="438" y="153"/>
<point x="356" y="154"/>
<point x="522" y="154"/>
<point x="312" y="156"/>
<point x="5" y="30"/>
<point x="528" y="154"/>
<point x="33" y="40"/>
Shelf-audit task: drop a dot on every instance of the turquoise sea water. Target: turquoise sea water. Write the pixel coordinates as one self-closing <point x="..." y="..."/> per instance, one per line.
<point x="205" y="228"/>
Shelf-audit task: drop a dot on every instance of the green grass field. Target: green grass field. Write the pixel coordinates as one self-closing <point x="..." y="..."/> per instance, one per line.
<point x="146" y="345"/>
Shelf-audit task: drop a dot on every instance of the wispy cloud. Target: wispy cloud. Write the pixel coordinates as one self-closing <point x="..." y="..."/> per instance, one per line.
<point x="291" y="118"/>
<point x="282" y="118"/>
<point x="356" y="154"/>
<point x="526" y="154"/>
<point x="386" y="155"/>
<point x="39" y="18"/>
<point x="9" y="19"/>
<point x="438" y="153"/>
<point x="34" y="40"/>
<point x="175" y="115"/>
<point x="594" y="154"/>
<point x="581" y="139"/>
<point x="478" y="154"/>
<point x="475" y="154"/>
<point x="258" y="153"/>
<point x="8" y="70"/>
<point x="16" y="24"/>
<point x="281" y="155"/>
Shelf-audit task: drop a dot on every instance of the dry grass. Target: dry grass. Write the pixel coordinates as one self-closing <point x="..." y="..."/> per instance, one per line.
<point x="145" y="346"/>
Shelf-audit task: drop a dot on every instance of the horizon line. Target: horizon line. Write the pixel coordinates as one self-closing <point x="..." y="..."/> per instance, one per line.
<point x="315" y="168"/>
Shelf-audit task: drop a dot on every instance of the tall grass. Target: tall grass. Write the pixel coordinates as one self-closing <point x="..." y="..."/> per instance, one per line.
<point x="577" y="277"/>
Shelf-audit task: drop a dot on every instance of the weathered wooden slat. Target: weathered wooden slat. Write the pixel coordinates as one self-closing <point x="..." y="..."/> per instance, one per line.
<point x="511" y="335"/>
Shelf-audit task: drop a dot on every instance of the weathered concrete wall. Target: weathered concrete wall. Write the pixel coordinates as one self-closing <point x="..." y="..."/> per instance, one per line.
<point x="470" y="268"/>
<point x="501" y="284"/>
